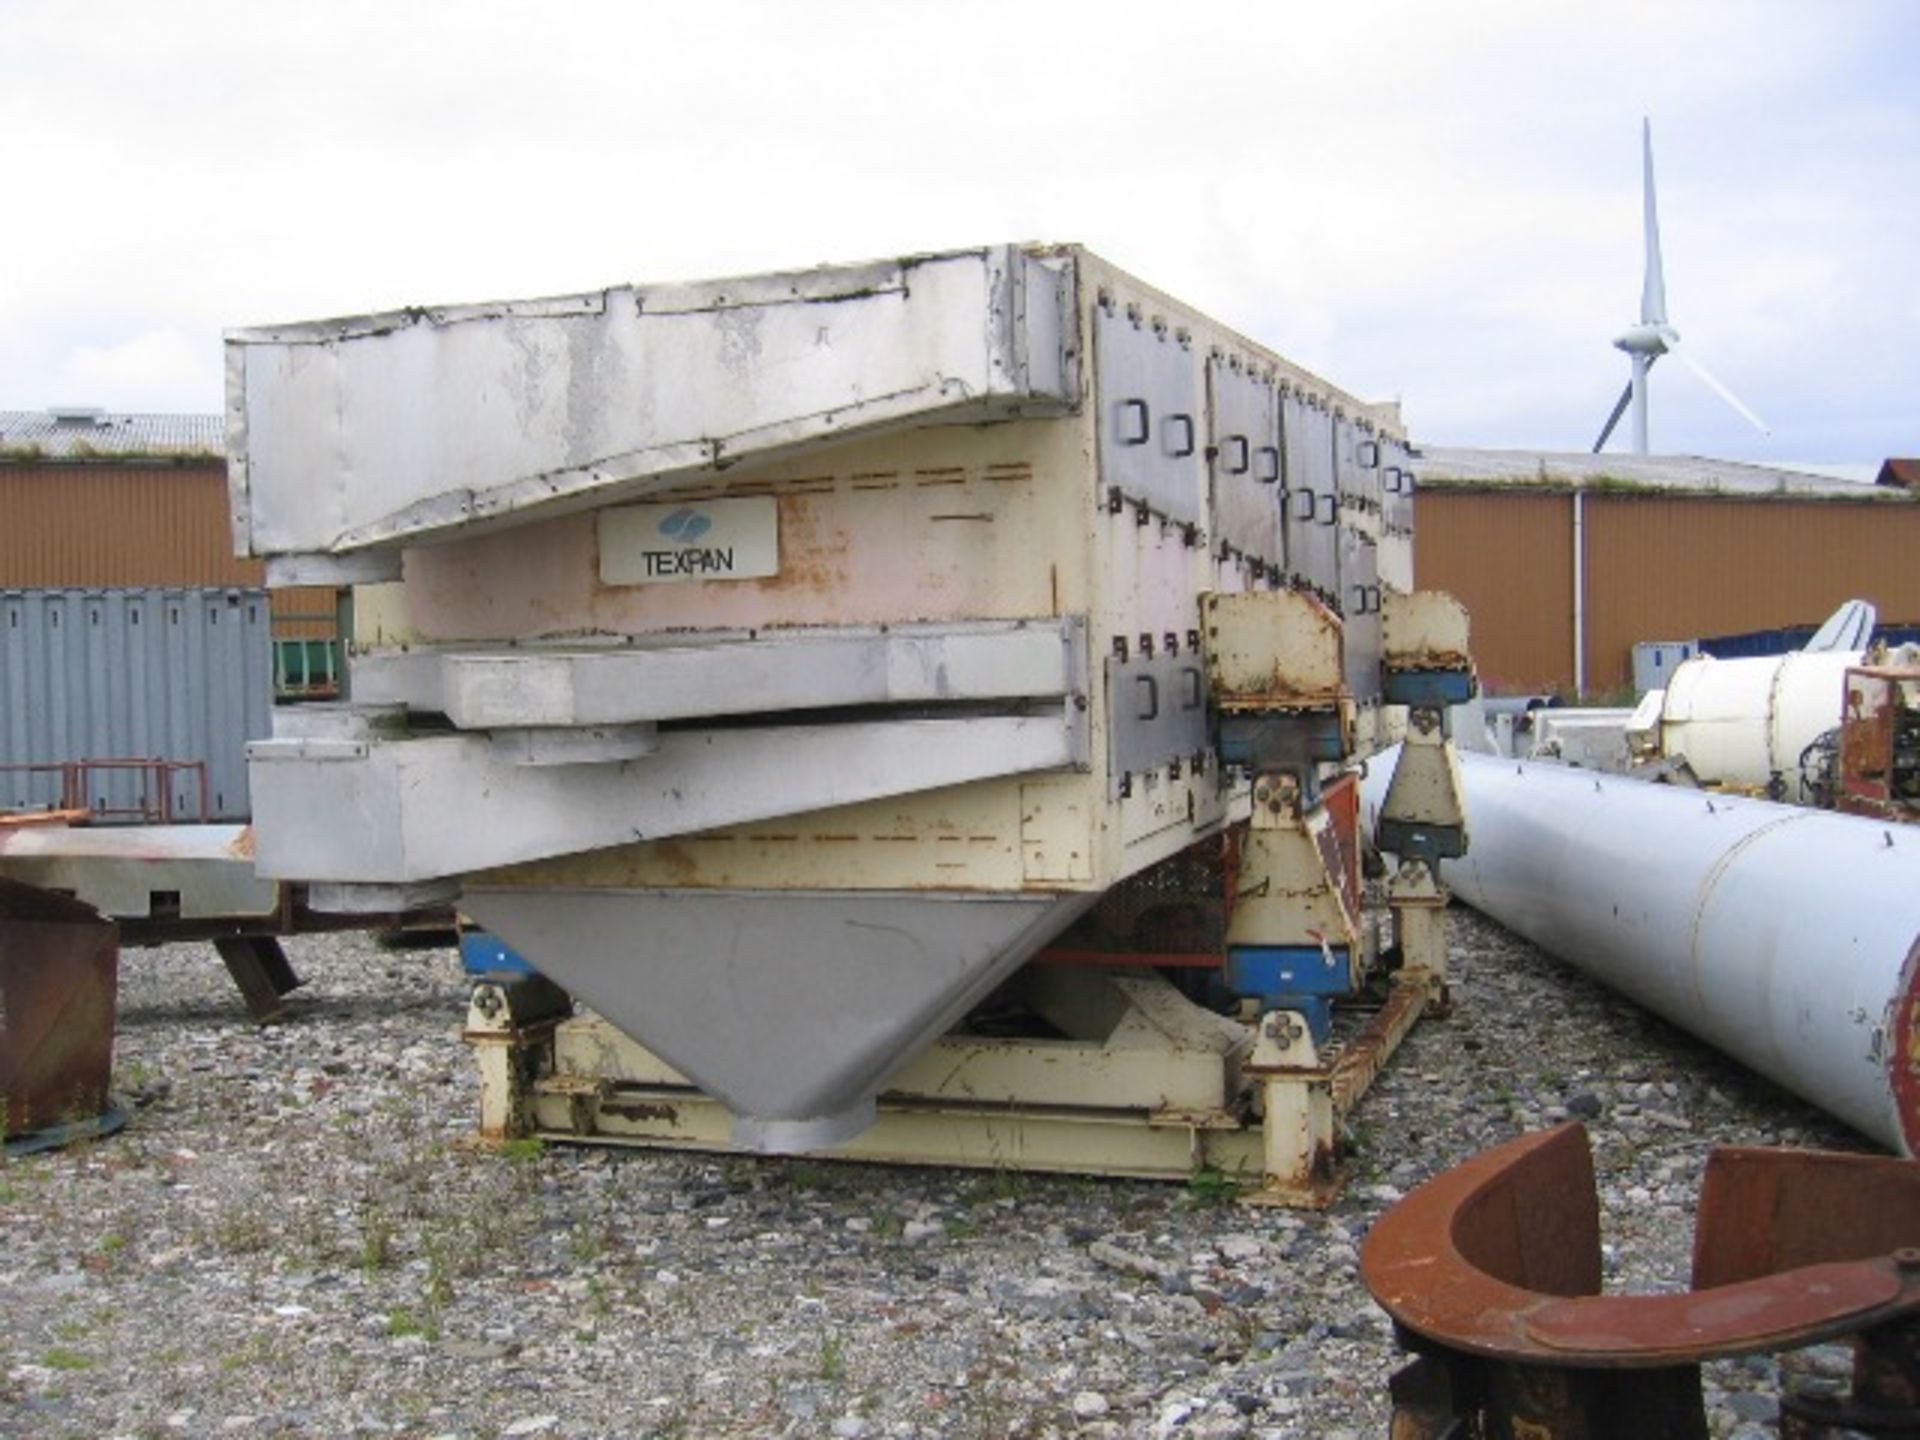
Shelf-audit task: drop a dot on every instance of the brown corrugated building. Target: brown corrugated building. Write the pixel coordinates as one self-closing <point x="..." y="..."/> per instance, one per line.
<point x="1566" y="561"/>
<point x="96" y="500"/>
<point x="1670" y="547"/>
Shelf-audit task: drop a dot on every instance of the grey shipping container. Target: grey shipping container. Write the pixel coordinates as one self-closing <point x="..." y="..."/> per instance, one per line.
<point x="175" y="675"/>
<point x="1654" y="662"/>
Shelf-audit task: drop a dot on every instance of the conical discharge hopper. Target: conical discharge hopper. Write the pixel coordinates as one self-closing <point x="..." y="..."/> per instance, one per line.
<point x="791" y="1008"/>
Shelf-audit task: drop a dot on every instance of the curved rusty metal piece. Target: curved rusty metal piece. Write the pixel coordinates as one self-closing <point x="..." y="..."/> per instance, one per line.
<point x="1499" y="1258"/>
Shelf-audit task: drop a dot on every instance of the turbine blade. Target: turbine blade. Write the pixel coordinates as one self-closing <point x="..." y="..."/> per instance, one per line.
<point x="1626" y="398"/>
<point x="1848" y="628"/>
<point x="1653" y="290"/>
<point x="1724" y="393"/>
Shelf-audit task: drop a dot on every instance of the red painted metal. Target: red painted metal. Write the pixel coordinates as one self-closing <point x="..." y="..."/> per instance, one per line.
<point x="1342" y="799"/>
<point x="1903" y="1024"/>
<point x="59" y="965"/>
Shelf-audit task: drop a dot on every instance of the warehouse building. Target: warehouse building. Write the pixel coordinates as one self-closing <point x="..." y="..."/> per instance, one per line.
<point x="92" y="500"/>
<point x="1566" y="561"/>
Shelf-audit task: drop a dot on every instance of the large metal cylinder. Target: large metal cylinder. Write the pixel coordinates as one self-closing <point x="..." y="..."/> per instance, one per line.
<point x="1787" y="938"/>
<point x="1742" y="722"/>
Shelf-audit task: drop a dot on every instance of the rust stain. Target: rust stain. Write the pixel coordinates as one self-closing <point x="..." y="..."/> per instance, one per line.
<point x="59" y="966"/>
<point x="1430" y="660"/>
<point x="642" y="1112"/>
<point x="681" y="865"/>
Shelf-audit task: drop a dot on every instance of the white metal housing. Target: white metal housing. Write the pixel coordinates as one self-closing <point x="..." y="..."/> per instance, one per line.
<point x="828" y="638"/>
<point x="1745" y="722"/>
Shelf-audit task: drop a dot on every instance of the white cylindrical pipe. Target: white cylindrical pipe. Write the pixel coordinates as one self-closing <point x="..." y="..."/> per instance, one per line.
<point x="1787" y="938"/>
<point x="1741" y="722"/>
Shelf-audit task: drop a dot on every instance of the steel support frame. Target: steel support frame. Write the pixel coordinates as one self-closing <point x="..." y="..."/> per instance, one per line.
<point x="510" y="1025"/>
<point x="1271" y="1124"/>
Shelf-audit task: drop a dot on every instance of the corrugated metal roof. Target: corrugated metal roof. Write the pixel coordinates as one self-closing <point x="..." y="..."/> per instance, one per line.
<point x="77" y="433"/>
<point x="1440" y="467"/>
<point x="1900" y="473"/>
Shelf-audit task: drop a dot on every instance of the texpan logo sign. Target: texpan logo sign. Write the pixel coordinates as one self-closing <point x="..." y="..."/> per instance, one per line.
<point x="727" y="538"/>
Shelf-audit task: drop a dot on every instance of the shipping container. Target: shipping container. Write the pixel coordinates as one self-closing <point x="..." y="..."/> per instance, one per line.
<point x="178" y="676"/>
<point x="108" y="521"/>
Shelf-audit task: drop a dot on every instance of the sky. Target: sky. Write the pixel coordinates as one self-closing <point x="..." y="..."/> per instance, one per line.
<point x="1426" y="201"/>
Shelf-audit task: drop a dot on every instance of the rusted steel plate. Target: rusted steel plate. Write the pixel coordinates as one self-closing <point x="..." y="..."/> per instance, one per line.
<point x="1763" y="1211"/>
<point x="1795" y="1308"/>
<point x="1499" y="1257"/>
<point x="1526" y="1210"/>
<point x="1359" y="1064"/>
<point x="58" y="971"/>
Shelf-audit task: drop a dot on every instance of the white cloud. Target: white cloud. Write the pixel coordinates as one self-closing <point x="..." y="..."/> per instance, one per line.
<point x="160" y="371"/>
<point x="1438" y="201"/>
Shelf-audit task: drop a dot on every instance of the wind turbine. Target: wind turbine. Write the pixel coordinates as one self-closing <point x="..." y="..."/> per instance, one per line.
<point x="1653" y="336"/>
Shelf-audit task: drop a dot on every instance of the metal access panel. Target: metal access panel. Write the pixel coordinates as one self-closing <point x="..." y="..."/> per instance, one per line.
<point x="1362" y="598"/>
<point x="1312" y="500"/>
<point x="1150" y="397"/>
<point x="1156" y="715"/>
<point x="168" y="674"/>
<point x="1357" y="458"/>
<point x="1396" y="488"/>
<point x="1244" y="449"/>
<point x="1396" y="513"/>
<point x="345" y="435"/>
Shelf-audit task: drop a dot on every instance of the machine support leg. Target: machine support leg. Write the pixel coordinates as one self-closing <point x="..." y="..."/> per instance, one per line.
<point x="1298" y="1129"/>
<point x="1419" y="907"/>
<point x="510" y="1025"/>
<point x="260" y="969"/>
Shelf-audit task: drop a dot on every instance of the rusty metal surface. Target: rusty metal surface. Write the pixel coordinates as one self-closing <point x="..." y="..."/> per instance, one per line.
<point x="1500" y="1257"/>
<point x="1880" y="744"/>
<point x="1764" y="1211"/>
<point x="152" y="803"/>
<point x="59" y="965"/>
<point x="1492" y="1273"/>
<point x="1361" y="1060"/>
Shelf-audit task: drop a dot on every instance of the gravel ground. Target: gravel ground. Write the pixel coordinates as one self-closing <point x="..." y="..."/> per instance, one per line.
<point x="294" y="1238"/>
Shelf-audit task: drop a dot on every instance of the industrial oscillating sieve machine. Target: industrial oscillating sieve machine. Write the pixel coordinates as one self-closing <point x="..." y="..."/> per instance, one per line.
<point x="914" y="706"/>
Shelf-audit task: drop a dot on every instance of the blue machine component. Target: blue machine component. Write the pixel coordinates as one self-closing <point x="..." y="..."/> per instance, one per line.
<point x="1265" y="740"/>
<point x="1417" y="840"/>
<point x="1429" y="689"/>
<point x="486" y="957"/>
<point x="1293" y="977"/>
